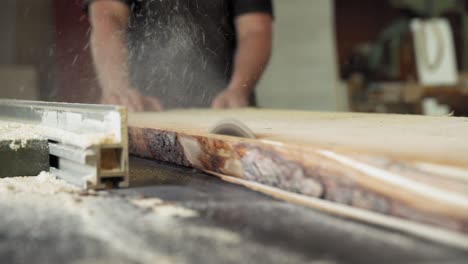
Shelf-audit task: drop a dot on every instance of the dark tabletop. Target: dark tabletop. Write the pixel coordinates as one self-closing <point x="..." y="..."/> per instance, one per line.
<point x="213" y="222"/>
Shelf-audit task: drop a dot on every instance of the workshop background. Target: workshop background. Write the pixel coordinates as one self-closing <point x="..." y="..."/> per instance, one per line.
<point x="342" y="55"/>
<point x="304" y="187"/>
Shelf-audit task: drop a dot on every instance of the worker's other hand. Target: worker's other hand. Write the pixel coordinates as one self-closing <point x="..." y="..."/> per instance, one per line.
<point x="231" y="98"/>
<point x="133" y="99"/>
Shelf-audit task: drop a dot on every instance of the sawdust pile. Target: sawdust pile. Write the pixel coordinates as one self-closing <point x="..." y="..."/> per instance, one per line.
<point x="19" y="134"/>
<point x="135" y="228"/>
<point x="42" y="184"/>
<point x="47" y="184"/>
<point x="17" y="131"/>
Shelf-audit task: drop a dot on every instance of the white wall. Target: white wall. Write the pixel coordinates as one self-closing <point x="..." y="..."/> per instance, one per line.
<point x="303" y="72"/>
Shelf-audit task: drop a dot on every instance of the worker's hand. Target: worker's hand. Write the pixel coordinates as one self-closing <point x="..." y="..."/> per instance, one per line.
<point x="231" y="98"/>
<point x="133" y="99"/>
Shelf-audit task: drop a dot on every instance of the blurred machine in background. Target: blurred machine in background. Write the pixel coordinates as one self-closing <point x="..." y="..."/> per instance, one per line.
<point x="414" y="64"/>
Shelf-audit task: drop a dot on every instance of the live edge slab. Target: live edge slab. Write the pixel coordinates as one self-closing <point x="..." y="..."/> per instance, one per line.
<point x="404" y="166"/>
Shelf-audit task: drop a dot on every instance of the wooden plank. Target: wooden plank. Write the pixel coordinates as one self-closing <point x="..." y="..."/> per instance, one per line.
<point x="451" y="238"/>
<point x="411" y="167"/>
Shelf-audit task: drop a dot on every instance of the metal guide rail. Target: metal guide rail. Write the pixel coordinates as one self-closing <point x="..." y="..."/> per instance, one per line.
<point x="88" y="144"/>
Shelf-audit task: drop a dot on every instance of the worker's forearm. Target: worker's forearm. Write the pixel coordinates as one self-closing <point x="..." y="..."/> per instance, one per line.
<point x="252" y="56"/>
<point x="110" y="54"/>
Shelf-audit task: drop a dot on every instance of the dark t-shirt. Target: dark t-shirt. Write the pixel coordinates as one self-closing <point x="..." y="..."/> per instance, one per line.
<point x="181" y="51"/>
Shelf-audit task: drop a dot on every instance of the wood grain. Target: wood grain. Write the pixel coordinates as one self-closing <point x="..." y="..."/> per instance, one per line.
<point x="447" y="237"/>
<point x="411" y="167"/>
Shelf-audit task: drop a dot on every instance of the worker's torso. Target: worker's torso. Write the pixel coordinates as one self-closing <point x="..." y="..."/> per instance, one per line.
<point x="181" y="51"/>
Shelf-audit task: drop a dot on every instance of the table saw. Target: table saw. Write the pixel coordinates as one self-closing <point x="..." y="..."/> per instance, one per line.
<point x="164" y="207"/>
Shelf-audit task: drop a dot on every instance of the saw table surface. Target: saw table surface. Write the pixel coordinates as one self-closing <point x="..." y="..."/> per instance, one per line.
<point x="177" y="215"/>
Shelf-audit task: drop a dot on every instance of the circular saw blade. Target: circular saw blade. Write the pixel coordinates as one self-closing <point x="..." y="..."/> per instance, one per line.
<point x="232" y="127"/>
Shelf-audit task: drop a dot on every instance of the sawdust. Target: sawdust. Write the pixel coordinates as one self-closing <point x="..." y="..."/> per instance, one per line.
<point x="15" y="145"/>
<point x="19" y="134"/>
<point x="142" y="230"/>
<point x="46" y="184"/>
<point x="43" y="184"/>
<point x="164" y="209"/>
<point x="17" y="131"/>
